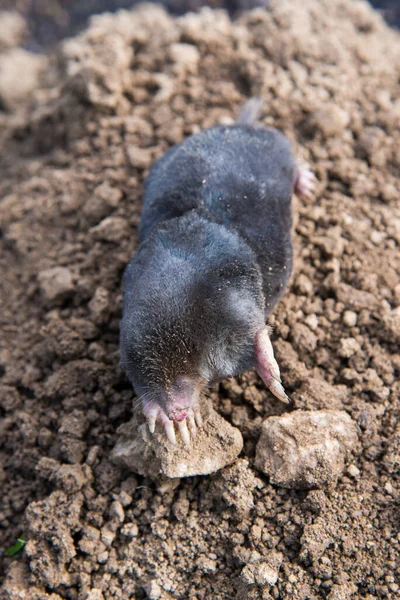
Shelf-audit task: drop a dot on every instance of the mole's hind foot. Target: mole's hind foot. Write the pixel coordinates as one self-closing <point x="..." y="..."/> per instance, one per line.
<point x="304" y="186"/>
<point x="186" y="427"/>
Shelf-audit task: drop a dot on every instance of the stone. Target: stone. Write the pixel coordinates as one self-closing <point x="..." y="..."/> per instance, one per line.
<point x="111" y="229"/>
<point x="306" y="449"/>
<point x="117" y="511"/>
<point x="391" y="458"/>
<point x="348" y="347"/>
<point x="304" y="339"/>
<point x="20" y="72"/>
<point x="332" y="244"/>
<point x="99" y="305"/>
<point x="153" y="590"/>
<point x="261" y="570"/>
<point x="95" y="594"/>
<point x="312" y="322"/>
<point x="331" y="120"/>
<point x="140" y="158"/>
<point x="353" y="471"/>
<point x="350" y="318"/>
<point x="304" y="284"/>
<point x="215" y="445"/>
<point x="185" y="55"/>
<point x="235" y="486"/>
<point x="55" y="284"/>
<point x="13" y="29"/>
<point x="131" y="530"/>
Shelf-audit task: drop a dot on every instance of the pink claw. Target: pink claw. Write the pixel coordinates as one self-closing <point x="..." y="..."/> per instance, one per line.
<point x="304" y="186"/>
<point x="267" y="367"/>
<point x="184" y="431"/>
<point x="170" y="431"/>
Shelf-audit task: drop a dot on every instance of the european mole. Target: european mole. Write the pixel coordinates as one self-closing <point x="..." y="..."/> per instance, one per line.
<point x="215" y="256"/>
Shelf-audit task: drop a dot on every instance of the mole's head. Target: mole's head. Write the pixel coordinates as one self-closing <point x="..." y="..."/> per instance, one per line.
<point x="188" y="336"/>
<point x="160" y="356"/>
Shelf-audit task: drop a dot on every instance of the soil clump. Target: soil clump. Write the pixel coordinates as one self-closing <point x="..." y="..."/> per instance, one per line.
<point x="75" y="151"/>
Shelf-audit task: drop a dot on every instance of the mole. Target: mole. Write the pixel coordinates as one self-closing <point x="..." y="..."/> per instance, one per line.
<point x="215" y="257"/>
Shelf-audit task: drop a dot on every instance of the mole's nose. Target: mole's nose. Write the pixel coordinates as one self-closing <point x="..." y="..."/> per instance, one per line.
<point x="177" y="414"/>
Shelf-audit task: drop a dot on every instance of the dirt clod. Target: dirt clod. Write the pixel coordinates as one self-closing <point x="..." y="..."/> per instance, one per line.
<point x="56" y="284"/>
<point x="215" y="445"/>
<point x="20" y="73"/>
<point x="79" y="131"/>
<point x="305" y="450"/>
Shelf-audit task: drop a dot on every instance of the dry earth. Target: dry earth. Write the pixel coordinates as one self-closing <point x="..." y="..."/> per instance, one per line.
<point x="79" y="132"/>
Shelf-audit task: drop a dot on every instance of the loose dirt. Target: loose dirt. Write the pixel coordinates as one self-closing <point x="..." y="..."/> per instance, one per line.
<point x="77" y="143"/>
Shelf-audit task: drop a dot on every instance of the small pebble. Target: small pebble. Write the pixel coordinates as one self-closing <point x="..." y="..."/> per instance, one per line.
<point x="140" y="158"/>
<point x="304" y="284"/>
<point x="111" y="229"/>
<point x="131" y="530"/>
<point x="102" y="558"/>
<point x="350" y="318"/>
<point x="107" y="536"/>
<point x="153" y="590"/>
<point x="353" y="471"/>
<point x="99" y="305"/>
<point x="331" y="120"/>
<point x="377" y="237"/>
<point x="55" y="283"/>
<point x="186" y="55"/>
<point x="92" y="455"/>
<point x="388" y="487"/>
<point x="117" y="511"/>
<point x="348" y="347"/>
<point x="312" y="321"/>
<point x="125" y="498"/>
<point x="94" y="594"/>
<point x="13" y="29"/>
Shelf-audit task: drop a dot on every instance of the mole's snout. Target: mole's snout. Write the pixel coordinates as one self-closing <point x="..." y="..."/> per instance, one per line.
<point x="178" y="414"/>
<point x="180" y="410"/>
<point x="181" y="396"/>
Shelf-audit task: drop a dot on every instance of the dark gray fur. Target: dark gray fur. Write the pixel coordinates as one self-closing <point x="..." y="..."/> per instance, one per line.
<point x="215" y="256"/>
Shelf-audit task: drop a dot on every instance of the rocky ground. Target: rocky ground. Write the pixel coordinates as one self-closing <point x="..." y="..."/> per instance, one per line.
<point x="79" y="131"/>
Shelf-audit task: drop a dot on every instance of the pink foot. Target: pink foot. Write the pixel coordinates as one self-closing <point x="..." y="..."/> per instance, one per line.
<point x="304" y="186"/>
<point x="267" y="367"/>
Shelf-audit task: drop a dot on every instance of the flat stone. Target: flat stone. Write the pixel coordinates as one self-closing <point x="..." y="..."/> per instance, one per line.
<point x="215" y="445"/>
<point x="306" y="449"/>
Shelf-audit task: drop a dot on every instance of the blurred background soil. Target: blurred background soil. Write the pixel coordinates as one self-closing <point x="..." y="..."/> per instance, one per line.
<point x="51" y="20"/>
<point x="79" y="130"/>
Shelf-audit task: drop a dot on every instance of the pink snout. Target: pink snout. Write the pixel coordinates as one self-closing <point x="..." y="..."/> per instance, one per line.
<point x="177" y="414"/>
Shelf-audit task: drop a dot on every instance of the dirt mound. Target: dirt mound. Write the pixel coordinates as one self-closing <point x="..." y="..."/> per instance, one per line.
<point x="75" y="154"/>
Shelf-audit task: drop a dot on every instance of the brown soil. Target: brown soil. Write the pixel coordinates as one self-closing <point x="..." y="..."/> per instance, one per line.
<point x="74" y="156"/>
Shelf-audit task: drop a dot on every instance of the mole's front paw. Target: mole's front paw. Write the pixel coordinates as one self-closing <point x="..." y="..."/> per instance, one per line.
<point x="304" y="186"/>
<point x="267" y="367"/>
<point x="186" y="423"/>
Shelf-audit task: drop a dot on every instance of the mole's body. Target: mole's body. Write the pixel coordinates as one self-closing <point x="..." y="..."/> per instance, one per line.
<point x="215" y="256"/>
<point x="240" y="177"/>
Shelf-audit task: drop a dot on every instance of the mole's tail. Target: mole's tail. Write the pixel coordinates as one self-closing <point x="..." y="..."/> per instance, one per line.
<point x="250" y="113"/>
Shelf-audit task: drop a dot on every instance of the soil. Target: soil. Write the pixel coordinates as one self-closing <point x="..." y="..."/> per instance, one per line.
<point x="76" y="147"/>
<point x="52" y="20"/>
